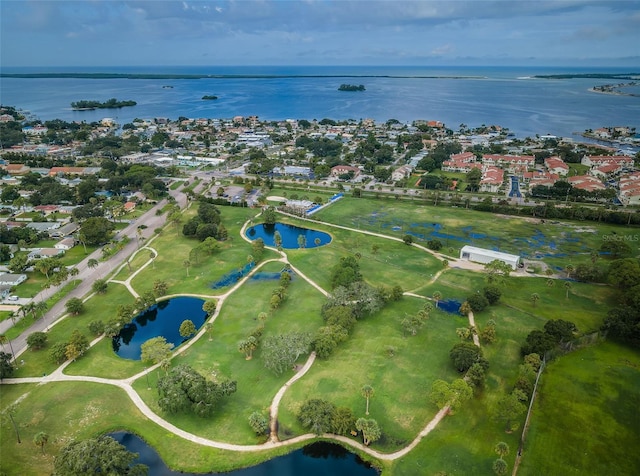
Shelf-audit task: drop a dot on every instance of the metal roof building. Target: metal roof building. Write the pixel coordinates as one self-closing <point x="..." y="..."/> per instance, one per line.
<point x="484" y="256"/>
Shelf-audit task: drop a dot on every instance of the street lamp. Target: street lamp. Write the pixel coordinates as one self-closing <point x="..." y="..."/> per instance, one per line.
<point x="146" y="374"/>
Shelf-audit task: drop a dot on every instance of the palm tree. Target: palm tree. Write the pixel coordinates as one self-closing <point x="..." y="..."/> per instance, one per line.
<point x="436" y="297"/>
<point x="500" y="466"/>
<point x="40" y="439"/>
<point x="445" y="263"/>
<point x="92" y="263"/>
<point x="367" y="392"/>
<point x="567" y="287"/>
<point x="186" y="263"/>
<point x="550" y="282"/>
<point x="3" y="340"/>
<point x="502" y="449"/>
<point x="463" y="333"/>
<point x="165" y="364"/>
<point x="569" y="269"/>
<point x="535" y="297"/>
<point x="209" y="327"/>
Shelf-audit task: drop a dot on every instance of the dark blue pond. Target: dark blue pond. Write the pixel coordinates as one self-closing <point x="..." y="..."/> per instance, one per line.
<point x="450" y="305"/>
<point x="317" y="459"/>
<point x="290" y="235"/>
<point x="161" y="319"/>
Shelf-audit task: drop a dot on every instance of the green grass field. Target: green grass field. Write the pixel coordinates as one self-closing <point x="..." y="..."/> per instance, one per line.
<point x="586" y="418"/>
<point x="582" y="403"/>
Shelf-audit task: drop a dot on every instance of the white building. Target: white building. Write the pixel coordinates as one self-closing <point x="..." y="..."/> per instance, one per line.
<point x="484" y="256"/>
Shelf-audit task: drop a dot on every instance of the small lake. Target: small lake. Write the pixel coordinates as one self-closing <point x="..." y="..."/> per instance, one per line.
<point x="161" y="319"/>
<point x="290" y="235"/>
<point x="317" y="459"/>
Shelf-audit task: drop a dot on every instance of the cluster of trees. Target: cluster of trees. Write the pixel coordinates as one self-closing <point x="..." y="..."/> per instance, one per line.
<point x="512" y="405"/>
<point x="623" y="321"/>
<point x="281" y="351"/>
<point x="184" y="389"/>
<point x="207" y="223"/>
<point x="556" y="331"/>
<point x="77" y="345"/>
<point x="565" y="191"/>
<point x="352" y="299"/>
<point x="412" y="324"/>
<point x="321" y="416"/>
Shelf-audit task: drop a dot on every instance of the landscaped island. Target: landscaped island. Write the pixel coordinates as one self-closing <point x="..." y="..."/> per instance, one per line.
<point x="209" y="97"/>
<point x="112" y="103"/>
<point x="351" y="87"/>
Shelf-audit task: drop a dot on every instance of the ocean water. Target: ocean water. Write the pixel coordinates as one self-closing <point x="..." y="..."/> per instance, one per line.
<point x="505" y="96"/>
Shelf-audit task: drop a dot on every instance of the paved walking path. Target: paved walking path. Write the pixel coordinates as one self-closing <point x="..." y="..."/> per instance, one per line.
<point x="127" y="384"/>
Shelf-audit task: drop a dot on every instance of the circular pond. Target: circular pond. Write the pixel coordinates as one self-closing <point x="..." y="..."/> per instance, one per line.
<point x="292" y="236"/>
<point x="317" y="459"/>
<point x="161" y="319"/>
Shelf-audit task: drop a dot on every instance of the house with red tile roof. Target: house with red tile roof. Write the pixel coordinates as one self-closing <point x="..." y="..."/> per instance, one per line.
<point x="606" y="170"/>
<point x="598" y="160"/>
<point x="344" y="169"/>
<point x="629" y="189"/>
<point x="129" y="206"/>
<point x="515" y="164"/>
<point x="492" y="178"/>
<point x="66" y="171"/>
<point x="556" y="165"/>
<point x="586" y="182"/>
<point x="16" y="169"/>
<point x="537" y="177"/>
<point x="463" y="162"/>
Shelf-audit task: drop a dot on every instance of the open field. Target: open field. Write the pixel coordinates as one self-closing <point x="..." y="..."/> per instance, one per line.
<point x="586" y="419"/>
<point x="400" y="369"/>
<point x="554" y="242"/>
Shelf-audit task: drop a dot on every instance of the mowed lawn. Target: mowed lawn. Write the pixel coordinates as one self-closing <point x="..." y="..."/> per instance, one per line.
<point x="383" y="262"/>
<point x="585" y="419"/>
<point x="400" y="369"/>
<point x="219" y="357"/>
<point x="174" y="249"/>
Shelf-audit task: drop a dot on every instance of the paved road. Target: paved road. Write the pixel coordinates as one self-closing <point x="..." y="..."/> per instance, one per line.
<point x="87" y="276"/>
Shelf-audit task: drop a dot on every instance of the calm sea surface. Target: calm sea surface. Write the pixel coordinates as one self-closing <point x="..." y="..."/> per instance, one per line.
<point x="509" y="97"/>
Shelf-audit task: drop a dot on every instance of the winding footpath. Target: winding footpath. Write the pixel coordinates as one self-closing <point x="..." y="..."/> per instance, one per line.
<point x="273" y="442"/>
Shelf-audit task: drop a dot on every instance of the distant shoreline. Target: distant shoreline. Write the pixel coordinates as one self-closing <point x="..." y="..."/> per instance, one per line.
<point x="216" y="76"/>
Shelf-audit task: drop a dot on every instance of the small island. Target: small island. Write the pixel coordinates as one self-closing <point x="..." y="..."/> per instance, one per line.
<point x="351" y="87"/>
<point x="112" y="103"/>
<point x="209" y="97"/>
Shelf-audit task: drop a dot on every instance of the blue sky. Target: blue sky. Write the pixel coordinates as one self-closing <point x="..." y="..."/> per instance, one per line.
<point x="319" y="32"/>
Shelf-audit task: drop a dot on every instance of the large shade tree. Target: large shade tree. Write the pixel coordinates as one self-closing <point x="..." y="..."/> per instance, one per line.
<point x="101" y="455"/>
<point x="184" y="389"/>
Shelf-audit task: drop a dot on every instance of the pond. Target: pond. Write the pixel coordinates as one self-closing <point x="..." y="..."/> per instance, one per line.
<point x="161" y="319"/>
<point x="290" y="235"/>
<point x="317" y="459"/>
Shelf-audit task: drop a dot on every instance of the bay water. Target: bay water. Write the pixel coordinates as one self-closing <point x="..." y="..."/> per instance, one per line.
<point x="507" y="96"/>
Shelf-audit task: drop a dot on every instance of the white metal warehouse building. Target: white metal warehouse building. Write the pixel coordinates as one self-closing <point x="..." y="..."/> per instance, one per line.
<point x="484" y="256"/>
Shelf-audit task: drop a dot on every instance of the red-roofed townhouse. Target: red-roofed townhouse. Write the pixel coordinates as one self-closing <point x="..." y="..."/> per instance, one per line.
<point x="492" y="179"/>
<point x="556" y="165"/>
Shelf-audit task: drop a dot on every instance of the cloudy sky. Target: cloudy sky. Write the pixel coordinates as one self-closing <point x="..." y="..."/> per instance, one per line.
<point x="319" y="32"/>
